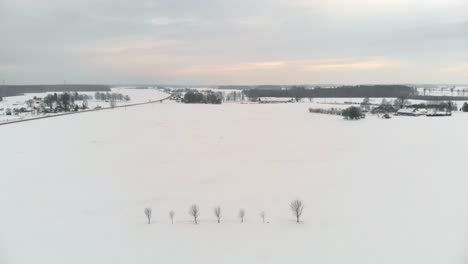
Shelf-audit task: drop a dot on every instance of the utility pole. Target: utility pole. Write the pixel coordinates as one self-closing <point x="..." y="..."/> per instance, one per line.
<point x="1" y="92"/>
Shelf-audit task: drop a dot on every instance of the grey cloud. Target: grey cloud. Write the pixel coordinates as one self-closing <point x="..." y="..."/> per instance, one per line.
<point x="48" y="40"/>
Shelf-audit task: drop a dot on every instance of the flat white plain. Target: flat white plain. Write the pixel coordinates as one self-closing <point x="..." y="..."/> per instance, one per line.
<point x="73" y="189"/>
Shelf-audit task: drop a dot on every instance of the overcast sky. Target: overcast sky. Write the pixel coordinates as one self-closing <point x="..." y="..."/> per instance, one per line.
<point x="234" y="41"/>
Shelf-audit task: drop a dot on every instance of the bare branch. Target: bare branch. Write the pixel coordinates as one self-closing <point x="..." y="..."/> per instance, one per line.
<point x="242" y="215"/>
<point x="297" y="207"/>
<point x="194" y="211"/>
<point x="263" y="215"/>
<point x="217" y="213"/>
<point x="171" y="215"/>
<point x="148" y="212"/>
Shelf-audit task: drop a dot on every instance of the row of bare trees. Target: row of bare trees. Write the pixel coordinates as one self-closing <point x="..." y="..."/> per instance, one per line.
<point x="296" y="206"/>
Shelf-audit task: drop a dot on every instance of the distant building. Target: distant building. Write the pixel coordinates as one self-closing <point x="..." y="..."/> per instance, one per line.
<point x="36" y="100"/>
<point x="383" y="109"/>
<point x="411" y="112"/>
<point x="439" y="112"/>
<point x="274" y="100"/>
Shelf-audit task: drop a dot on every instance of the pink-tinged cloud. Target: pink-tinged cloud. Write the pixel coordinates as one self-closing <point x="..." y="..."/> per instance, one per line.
<point x="366" y="65"/>
<point x="133" y="47"/>
<point x="463" y="68"/>
<point x="285" y="67"/>
<point x="228" y="69"/>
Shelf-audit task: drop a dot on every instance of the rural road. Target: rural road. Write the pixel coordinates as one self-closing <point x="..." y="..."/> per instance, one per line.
<point x="81" y="112"/>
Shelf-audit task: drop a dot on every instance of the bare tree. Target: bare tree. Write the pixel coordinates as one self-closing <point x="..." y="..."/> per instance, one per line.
<point x="171" y="215"/>
<point x="263" y="215"/>
<point x="217" y="213"/>
<point x="241" y="215"/>
<point x="297" y="207"/>
<point x="194" y="211"/>
<point x="148" y="212"/>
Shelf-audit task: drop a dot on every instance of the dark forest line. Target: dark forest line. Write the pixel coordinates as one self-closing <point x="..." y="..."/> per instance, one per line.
<point x="13" y="90"/>
<point x="343" y="91"/>
<point x="358" y="91"/>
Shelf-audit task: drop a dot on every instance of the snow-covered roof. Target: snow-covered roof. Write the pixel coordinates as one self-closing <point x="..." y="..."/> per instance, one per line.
<point x="406" y="110"/>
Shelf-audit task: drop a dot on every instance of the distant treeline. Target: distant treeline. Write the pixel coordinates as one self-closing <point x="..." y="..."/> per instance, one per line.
<point x="12" y="90"/>
<point x="111" y="97"/>
<point x="449" y="106"/>
<point x="246" y="87"/>
<point x="438" y="98"/>
<point x="343" y="91"/>
<point x="206" y="97"/>
<point x="235" y="87"/>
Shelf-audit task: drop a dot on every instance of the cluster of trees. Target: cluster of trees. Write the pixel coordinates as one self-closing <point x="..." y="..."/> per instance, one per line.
<point x="386" y="107"/>
<point x="111" y="97"/>
<point x="396" y="104"/>
<point x="442" y="106"/>
<point x="383" y="109"/>
<point x="80" y="97"/>
<point x="208" y="97"/>
<point x="30" y="102"/>
<point x="465" y="107"/>
<point x="65" y="101"/>
<point x="330" y="111"/>
<point x="58" y="102"/>
<point x="296" y="207"/>
<point x="400" y="102"/>
<point x="366" y="104"/>
<point x="234" y="96"/>
<point x="353" y="113"/>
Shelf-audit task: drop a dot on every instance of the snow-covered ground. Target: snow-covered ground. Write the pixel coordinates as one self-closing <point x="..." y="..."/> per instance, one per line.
<point x="136" y="96"/>
<point x="73" y="189"/>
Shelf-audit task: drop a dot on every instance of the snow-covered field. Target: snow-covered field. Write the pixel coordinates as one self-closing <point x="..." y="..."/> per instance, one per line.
<point x="136" y="96"/>
<point x="73" y="189"/>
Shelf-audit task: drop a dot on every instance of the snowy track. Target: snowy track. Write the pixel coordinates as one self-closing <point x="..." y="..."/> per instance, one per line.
<point x="81" y="112"/>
